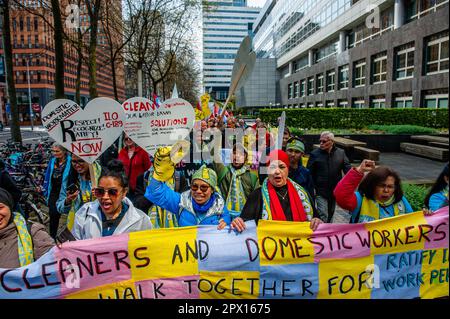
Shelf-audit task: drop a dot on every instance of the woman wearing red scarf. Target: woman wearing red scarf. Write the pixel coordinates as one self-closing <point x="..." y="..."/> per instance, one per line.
<point x="279" y="198"/>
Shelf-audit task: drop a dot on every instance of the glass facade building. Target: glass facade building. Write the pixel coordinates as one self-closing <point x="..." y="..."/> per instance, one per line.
<point x="225" y="24"/>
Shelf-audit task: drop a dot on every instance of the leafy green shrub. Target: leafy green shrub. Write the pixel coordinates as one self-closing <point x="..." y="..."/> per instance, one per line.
<point x="403" y="129"/>
<point x="345" y="118"/>
<point x="415" y="194"/>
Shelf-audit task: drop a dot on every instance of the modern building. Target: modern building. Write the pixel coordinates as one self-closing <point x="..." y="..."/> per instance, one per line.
<point x="34" y="64"/>
<point x="225" y="24"/>
<point x="357" y="53"/>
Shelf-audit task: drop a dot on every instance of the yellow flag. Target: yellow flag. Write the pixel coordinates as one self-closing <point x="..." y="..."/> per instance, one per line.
<point x="205" y="108"/>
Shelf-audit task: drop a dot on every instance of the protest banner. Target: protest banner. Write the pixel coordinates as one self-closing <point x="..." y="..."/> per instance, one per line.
<point x="151" y="127"/>
<point x="400" y="257"/>
<point x="85" y="132"/>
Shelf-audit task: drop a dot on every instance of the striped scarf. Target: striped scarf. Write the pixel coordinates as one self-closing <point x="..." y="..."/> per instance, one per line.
<point x="267" y="212"/>
<point x="160" y="217"/>
<point x="374" y="210"/>
<point x="24" y="241"/>
<point x="236" y="196"/>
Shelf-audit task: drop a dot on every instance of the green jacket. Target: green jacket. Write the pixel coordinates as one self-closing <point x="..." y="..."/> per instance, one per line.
<point x="250" y="180"/>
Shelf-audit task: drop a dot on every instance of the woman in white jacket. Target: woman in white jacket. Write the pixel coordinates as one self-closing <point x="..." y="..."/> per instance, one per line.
<point x="112" y="213"/>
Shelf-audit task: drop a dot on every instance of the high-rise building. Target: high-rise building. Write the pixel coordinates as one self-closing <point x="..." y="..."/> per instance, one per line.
<point x="357" y="53"/>
<point x="225" y="24"/>
<point x="34" y="60"/>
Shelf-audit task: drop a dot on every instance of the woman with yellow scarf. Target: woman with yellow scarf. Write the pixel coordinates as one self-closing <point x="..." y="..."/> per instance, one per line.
<point x="373" y="196"/>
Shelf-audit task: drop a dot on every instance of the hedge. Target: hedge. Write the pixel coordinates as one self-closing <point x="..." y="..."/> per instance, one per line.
<point x="403" y="129"/>
<point x="357" y="118"/>
<point x="415" y="194"/>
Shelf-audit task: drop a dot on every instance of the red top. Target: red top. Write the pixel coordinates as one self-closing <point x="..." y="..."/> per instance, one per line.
<point x="138" y="164"/>
<point x="345" y="190"/>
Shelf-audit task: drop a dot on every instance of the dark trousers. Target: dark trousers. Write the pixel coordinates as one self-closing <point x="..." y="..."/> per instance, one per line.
<point x="54" y="218"/>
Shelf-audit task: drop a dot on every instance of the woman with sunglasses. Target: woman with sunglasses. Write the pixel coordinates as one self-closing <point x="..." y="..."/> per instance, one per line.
<point x="112" y="213"/>
<point x="56" y="176"/>
<point x="370" y="193"/>
<point x="201" y="205"/>
<point x="78" y="189"/>
<point x="135" y="160"/>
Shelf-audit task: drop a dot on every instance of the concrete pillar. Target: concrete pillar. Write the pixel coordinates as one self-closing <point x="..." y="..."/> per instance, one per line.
<point x="291" y="68"/>
<point x="399" y="13"/>
<point x="342" y="42"/>
<point x="310" y="57"/>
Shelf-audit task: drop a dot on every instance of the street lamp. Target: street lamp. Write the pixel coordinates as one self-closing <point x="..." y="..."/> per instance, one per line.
<point x="29" y="94"/>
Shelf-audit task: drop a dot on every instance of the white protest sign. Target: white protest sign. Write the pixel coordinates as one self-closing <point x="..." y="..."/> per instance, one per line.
<point x="85" y="132"/>
<point x="151" y="127"/>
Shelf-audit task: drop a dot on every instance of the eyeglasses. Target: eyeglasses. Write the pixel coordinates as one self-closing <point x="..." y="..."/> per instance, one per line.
<point x="100" y="192"/>
<point x="79" y="162"/>
<point x="203" y="188"/>
<point x="388" y="187"/>
<point x="127" y="139"/>
<point x="323" y="141"/>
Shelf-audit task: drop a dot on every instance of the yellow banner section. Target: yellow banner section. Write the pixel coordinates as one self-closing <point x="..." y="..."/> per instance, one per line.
<point x="228" y="285"/>
<point x="289" y="246"/>
<point x="157" y="255"/>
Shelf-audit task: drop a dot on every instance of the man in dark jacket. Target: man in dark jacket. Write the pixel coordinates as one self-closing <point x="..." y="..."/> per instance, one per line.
<point x="326" y="165"/>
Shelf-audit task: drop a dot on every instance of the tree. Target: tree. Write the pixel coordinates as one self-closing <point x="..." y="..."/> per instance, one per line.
<point x="7" y="49"/>
<point x="94" y="9"/>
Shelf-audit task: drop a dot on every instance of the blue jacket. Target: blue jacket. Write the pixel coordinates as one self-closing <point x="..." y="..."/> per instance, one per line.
<point x="302" y="176"/>
<point x="181" y="205"/>
<point x="48" y="176"/>
<point x="437" y="200"/>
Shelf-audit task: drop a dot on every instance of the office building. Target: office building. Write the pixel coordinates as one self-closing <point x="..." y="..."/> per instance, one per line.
<point x="225" y="24"/>
<point x="357" y="53"/>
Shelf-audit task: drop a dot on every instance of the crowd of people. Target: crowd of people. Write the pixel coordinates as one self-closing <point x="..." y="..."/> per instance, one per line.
<point x="128" y="190"/>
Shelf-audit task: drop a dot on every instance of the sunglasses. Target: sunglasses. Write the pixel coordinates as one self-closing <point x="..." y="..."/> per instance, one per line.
<point x="100" y="192"/>
<point x="203" y="188"/>
<point x="79" y="162"/>
<point x="127" y="139"/>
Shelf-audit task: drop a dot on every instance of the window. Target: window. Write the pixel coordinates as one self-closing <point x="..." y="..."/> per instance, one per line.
<point x="320" y="84"/>
<point x="378" y="102"/>
<point x="379" y="68"/>
<point x="342" y="103"/>
<point x="358" y="103"/>
<point x="14" y="24"/>
<point x="290" y="91"/>
<point x="302" y="88"/>
<point x="36" y="23"/>
<point x="296" y="89"/>
<point x="311" y="86"/>
<point x="28" y="24"/>
<point x="319" y="104"/>
<point x="343" y="77"/>
<point x="310" y="105"/>
<point x="437" y="53"/>
<point x="416" y="9"/>
<point x="21" y="23"/>
<point x="436" y="99"/>
<point x="403" y="100"/>
<point x="404" y="61"/>
<point x="330" y="80"/>
<point x="38" y="76"/>
<point x="360" y="73"/>
<point x="329" y="104"/>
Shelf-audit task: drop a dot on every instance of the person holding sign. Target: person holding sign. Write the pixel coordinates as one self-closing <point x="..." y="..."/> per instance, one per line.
<point x="78" y="189"/>
<point x="112" y="213"/>
<point x="438" y="195"/>
<point x="372" y="196"/>
<point x="135" y="160"/>
<point x="22" y="242"/>
<point x="201" y="205"/>
<point x="279" y="198"/>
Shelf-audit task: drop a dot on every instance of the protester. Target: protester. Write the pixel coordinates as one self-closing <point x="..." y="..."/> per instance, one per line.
<point x="438" y="195"/>
<point x="135" y="160"/>
<point x="286" y="136"/>
<point x="6" y="182"/>
<point x="201" y="205"/>
<point x="279" y="198"/>
<point x="298" y="173"/>
<point x="159" y="217"/>
<point x="112" y="213"/>
<point x="21" y="242"/>
<point x="375" y="196"/>
<point x="78" y="190"/>
<point x="236" y="181"/>
<point x="326" y="165"/>
<point x="56" y="175"/>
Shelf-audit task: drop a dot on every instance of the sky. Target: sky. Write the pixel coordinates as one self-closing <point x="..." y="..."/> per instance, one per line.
<point x="256" y="3"/>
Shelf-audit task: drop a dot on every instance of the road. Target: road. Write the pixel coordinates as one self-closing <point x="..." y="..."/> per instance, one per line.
<point x="28" y="136"/>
